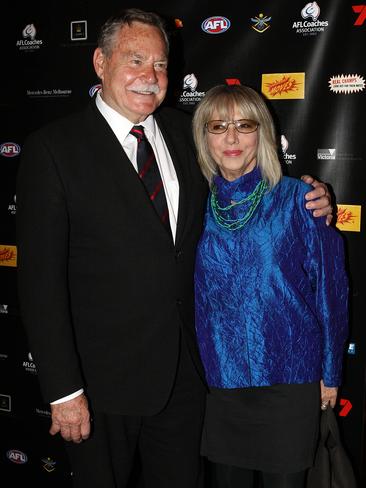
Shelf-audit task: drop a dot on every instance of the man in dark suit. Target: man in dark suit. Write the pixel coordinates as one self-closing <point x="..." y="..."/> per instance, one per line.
<point x="106" y="261"/>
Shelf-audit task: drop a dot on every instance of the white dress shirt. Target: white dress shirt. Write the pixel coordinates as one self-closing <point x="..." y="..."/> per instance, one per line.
<point x="121" y="128"/>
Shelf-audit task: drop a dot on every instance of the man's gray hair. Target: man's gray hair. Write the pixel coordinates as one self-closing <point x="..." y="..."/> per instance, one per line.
<point x="113" y="25"/>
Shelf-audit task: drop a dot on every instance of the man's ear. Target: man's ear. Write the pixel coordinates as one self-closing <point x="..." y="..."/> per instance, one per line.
<point x="98" y="62"/>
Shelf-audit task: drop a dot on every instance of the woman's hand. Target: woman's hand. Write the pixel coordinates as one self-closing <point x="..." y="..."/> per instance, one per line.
<point x="328" y="395"/>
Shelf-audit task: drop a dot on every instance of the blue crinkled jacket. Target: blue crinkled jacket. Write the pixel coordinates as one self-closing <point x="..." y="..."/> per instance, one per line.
<point x="271" y="298"/>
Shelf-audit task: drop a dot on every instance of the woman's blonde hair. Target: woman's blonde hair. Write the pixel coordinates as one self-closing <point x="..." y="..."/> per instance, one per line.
<point x="225" y="100"/>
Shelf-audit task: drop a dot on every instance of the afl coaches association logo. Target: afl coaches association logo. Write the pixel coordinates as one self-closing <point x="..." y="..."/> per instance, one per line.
<point x="215" y="25"/>
<point x="29" y="41"/>
<point x="190" y="95"/>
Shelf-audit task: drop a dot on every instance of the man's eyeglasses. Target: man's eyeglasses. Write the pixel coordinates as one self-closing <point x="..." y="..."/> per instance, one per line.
<point x="244" y="126"/>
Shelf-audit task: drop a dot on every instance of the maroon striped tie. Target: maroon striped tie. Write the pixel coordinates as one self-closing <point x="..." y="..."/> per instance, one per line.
<point x="149" y="174"/>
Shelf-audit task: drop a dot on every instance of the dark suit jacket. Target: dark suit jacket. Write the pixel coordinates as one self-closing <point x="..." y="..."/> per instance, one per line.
<point x="103" y="290"/>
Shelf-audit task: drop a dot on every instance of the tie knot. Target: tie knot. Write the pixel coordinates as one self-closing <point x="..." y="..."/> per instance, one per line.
<point x="138" y="132"/>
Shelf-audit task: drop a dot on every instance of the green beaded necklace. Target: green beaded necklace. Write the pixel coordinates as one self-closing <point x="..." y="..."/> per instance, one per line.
<point x="253" y="199"/>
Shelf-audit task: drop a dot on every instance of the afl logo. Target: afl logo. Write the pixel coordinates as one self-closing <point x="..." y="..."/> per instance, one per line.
<point x="94" y="89"/>
<point x="9" y="149"/>
<point x="215" y="25"/>
<point x="17" y="457"/>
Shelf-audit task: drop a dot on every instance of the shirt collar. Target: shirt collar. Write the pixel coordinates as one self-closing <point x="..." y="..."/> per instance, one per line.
<point x="120" y="124"/>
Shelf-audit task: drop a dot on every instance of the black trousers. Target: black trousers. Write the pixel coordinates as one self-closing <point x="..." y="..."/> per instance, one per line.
<point x="223" y="476"/>
<point x="167" y="444"/>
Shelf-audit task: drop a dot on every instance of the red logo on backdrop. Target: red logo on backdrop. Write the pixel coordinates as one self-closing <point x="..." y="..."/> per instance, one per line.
<point x="285" y="85"/>
<point x="360" y="9"/>
<point x="232" y="81"/>
<point x="178" y="23"/>
<point x="346" y="407"/>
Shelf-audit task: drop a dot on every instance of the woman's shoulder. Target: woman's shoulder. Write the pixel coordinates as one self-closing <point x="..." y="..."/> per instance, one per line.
<point x="295" y="184"/>
<point x="291" y="190"/>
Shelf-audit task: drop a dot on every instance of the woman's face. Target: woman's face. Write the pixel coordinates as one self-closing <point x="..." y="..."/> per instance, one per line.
<point x="235" y="153"/>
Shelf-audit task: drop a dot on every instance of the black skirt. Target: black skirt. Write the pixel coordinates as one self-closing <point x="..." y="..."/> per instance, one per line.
<point x="271" y="429"/>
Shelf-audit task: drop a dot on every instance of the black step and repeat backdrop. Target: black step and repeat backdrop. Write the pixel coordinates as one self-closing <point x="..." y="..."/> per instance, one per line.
<point x="308" y="58"/>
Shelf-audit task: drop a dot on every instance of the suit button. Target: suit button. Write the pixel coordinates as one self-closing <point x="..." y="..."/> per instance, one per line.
<point x="179" y="302"/>
<point x="178" y="254"/>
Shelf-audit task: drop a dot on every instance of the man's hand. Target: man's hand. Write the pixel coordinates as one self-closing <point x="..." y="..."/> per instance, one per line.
<point x="328" y="395"/>
<point x="71" y="419"/>
<point x="319" y="199"/>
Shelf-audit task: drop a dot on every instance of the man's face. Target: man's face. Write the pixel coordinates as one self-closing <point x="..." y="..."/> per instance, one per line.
<point x="134" y="76"/>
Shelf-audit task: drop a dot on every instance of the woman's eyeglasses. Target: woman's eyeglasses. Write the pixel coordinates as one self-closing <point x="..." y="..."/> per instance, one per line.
<point x="244" y="126"/>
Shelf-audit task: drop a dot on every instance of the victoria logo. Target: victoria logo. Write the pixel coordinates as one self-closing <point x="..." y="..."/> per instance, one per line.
<point x="9" y="149"/>
<point x="329" y="153"/>
<point x="215" y="25"/>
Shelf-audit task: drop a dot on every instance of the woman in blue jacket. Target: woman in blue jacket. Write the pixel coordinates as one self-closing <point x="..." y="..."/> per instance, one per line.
<point x="271" y="299"/>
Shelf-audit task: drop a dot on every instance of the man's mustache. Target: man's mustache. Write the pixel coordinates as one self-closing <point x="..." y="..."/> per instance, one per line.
<point x="145" y="88"/>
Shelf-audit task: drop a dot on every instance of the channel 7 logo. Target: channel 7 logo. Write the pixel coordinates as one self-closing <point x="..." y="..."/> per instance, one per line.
<point x="361" y="10"/>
